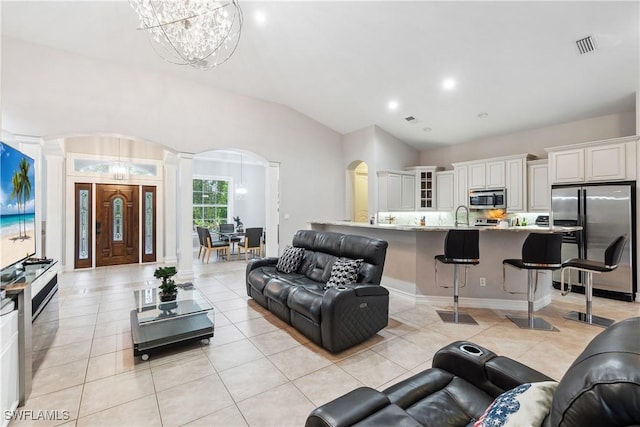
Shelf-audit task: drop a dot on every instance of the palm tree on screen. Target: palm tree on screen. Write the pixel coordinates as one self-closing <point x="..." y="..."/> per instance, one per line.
<point x="16" y="192"/>
<point x="25" y="183"/>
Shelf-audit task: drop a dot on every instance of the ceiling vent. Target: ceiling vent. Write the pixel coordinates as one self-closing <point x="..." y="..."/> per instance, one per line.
<point x="410" y="119"/>
<point x="586" y="45"/>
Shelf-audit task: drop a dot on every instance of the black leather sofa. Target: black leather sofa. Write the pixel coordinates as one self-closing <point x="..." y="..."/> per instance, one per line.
<point x="339" y="317"/>
<point x="601" y="388"/>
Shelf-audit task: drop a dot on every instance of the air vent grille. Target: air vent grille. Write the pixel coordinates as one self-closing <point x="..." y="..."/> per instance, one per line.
<point x="410" y="119"/>
<point x="586" y="45"/>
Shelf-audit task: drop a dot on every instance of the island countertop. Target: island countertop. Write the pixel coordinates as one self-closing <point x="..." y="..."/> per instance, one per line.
<point x="427" y="228"/>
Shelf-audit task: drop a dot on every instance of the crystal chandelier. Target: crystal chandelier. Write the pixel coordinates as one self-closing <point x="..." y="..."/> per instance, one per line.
<point x="199" y="33"/>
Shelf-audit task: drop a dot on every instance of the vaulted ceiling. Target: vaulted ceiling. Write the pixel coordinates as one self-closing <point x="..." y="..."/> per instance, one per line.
<point x="342" y="63"/>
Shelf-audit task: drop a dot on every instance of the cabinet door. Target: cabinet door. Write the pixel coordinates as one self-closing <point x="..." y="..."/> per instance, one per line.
<point x="444" y="191"/>
<point x="538" y="176"/>
<point x="461" y="185"/>
<point x="477" y="176"/>
<point x="408" y="200"/>
<point x="515" y="185"/>
<point x="606" y="163"/>
<point x="425" y="190"/>
<point x="394" y="192"/>
<point x="567" y="166"/>
<point x="495" y="175"/>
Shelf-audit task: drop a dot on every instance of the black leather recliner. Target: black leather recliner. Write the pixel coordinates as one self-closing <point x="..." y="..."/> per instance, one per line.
<point x="337" y="318"/>
<point x="600" y="388"/>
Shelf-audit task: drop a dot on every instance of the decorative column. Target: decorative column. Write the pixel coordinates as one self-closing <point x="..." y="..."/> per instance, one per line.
<point x="170" y="194"/>
<point x="53" y="229"/>
<point x="184" y="199"/>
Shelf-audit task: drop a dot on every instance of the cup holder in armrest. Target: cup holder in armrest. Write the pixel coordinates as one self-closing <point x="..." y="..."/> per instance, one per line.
<point x="471" y="349"/>
<point x="341" y="288"/>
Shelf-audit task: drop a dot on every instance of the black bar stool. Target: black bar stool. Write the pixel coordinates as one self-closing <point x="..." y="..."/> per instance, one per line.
<point x="612" y="256"/>
<point x="460" y="248"/>
<point x="540" y="251"/>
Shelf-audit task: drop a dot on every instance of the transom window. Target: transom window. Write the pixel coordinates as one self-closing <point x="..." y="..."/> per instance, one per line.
<point x="210" y="202"/>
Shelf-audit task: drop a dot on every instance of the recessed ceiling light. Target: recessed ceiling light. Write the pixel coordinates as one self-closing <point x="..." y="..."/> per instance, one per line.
<point x="260" y="17"/>
<point x="448" y="84"/>
<point x="483" y="115"/>
<point x="393" y="105"/>
<point x="427" y="129"/>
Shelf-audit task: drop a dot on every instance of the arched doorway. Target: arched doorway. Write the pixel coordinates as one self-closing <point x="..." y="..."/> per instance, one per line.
<point x="252" y="189"/>
<point x="361" y="192"/>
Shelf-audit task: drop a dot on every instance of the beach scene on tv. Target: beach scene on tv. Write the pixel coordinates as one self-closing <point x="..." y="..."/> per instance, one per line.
<point x="17" y="205"/>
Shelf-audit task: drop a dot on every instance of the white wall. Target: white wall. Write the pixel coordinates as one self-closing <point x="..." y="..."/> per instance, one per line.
<point x="380" y="151"/>
<point x="48" y="92"/>
<point x="533" y="141"/>
<point x="251" y="208"/>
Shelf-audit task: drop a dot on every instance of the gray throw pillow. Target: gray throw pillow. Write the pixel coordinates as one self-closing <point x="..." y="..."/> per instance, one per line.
<point x="290" y="259"/>
<point x="343" y="271"/>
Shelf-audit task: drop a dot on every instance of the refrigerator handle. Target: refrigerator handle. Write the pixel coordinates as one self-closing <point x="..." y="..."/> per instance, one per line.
<point x="582" y="220"/>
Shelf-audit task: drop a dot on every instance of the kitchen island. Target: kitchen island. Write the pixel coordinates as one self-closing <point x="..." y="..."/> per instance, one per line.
<point x="409" y="266"/>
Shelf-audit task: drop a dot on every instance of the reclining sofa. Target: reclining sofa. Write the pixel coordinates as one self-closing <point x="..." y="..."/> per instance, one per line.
<point x="335" y="318"/>
<point x="468" y="385"/>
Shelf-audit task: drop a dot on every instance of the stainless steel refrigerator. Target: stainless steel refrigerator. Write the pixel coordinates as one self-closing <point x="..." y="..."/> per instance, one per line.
<point x="605" y="212"/>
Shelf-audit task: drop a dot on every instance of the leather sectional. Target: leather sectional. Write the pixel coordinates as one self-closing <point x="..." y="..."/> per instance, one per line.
<point x="600" y="388"/>
<point x="336" y="318"/>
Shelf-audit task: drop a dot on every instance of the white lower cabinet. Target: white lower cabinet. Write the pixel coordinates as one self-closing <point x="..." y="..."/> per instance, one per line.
<point x="9" y="365"/>
<point x="444" y="191"/>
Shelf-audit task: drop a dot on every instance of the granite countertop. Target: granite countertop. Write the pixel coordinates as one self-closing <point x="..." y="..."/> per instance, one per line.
<point x="401" y="227"/>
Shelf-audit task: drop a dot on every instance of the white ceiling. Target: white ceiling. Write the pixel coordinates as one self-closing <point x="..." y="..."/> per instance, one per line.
<point x="340" y="63"/>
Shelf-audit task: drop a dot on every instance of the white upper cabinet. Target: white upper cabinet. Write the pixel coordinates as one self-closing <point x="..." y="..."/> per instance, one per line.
<point x="599" y="161"/>
<point x="444" y="190"/>
<point x="567" y="166"/>
<point x="538" y="177"/>
<point x="477" y="176"/>
<point x="461" y="185"/>
<point x="396" y="191"/>
<point x="496" y="174"/>
<point x="606" y="163"/>
<point x="515" y="182"/>
<point x="425" y="185"/>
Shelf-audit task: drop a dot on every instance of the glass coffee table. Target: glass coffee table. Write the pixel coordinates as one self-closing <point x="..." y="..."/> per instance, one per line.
<point x="156" y="324"/>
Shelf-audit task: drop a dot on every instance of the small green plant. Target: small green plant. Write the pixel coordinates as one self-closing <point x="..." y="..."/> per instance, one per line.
<point x="168" y="286"/>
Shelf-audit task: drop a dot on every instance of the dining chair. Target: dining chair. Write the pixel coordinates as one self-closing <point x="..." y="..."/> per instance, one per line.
<point x="220" y="246"/>
<point x="252" y="242"/>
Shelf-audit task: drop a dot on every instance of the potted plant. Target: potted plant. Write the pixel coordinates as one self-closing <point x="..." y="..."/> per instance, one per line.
<point x="168" y="288"/>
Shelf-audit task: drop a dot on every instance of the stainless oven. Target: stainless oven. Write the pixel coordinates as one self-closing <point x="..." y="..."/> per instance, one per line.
<point x="487" y="199"/>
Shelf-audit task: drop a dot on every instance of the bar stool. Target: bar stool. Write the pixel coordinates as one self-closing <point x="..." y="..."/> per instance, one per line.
<point x="460" y="248"/>
<point x="540" y="251"/>
<point x="612" y="256"/>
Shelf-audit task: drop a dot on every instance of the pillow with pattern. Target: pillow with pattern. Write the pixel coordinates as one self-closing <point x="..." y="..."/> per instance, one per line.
<point x="526" y="405"/>
<point x="290" y="260"/>
<point x="343" y="271"/>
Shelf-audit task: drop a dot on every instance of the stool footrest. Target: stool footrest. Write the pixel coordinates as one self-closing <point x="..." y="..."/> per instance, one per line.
<point x="453" y="317"/>
<point x="532" y="323"/>
<point x="578" y="316"/>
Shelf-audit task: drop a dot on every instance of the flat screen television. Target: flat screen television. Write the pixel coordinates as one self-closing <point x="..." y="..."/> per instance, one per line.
<point x="17" y="206"/>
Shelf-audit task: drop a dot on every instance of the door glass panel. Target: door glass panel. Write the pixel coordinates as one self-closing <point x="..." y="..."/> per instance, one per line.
<point x="118" y="205"/>
<point x="148" y="221"/>
<point x="83" y="224"/>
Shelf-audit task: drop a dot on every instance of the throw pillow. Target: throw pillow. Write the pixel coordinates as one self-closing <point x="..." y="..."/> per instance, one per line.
<point x="343" y="271"/>
<point x="290" y="259"/>
<point x="525" y="405"/>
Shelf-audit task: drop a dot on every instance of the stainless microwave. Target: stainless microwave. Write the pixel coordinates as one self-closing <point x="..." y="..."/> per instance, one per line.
<point x="488" y="199"/>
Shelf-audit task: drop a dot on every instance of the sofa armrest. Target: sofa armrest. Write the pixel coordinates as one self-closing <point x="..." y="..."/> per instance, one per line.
<point x="507" y="373"/>
<point x="348" y="409"/>
<point x="467" y="360"/>
<point x="260" y="262"/>
<point x="350" y="314"/>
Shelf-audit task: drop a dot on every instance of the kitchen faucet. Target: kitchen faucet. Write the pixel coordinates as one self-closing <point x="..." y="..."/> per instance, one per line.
<point x="460" y="222"/>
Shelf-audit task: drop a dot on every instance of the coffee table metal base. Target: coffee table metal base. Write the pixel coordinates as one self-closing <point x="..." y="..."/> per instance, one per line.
<point x="157" y="335"/>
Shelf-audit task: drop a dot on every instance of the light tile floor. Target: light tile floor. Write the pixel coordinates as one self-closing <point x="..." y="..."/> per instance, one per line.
<point x="257" y="370"/>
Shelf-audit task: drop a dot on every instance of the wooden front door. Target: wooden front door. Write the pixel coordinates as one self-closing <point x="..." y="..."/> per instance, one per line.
<point x="117" y="224"/>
